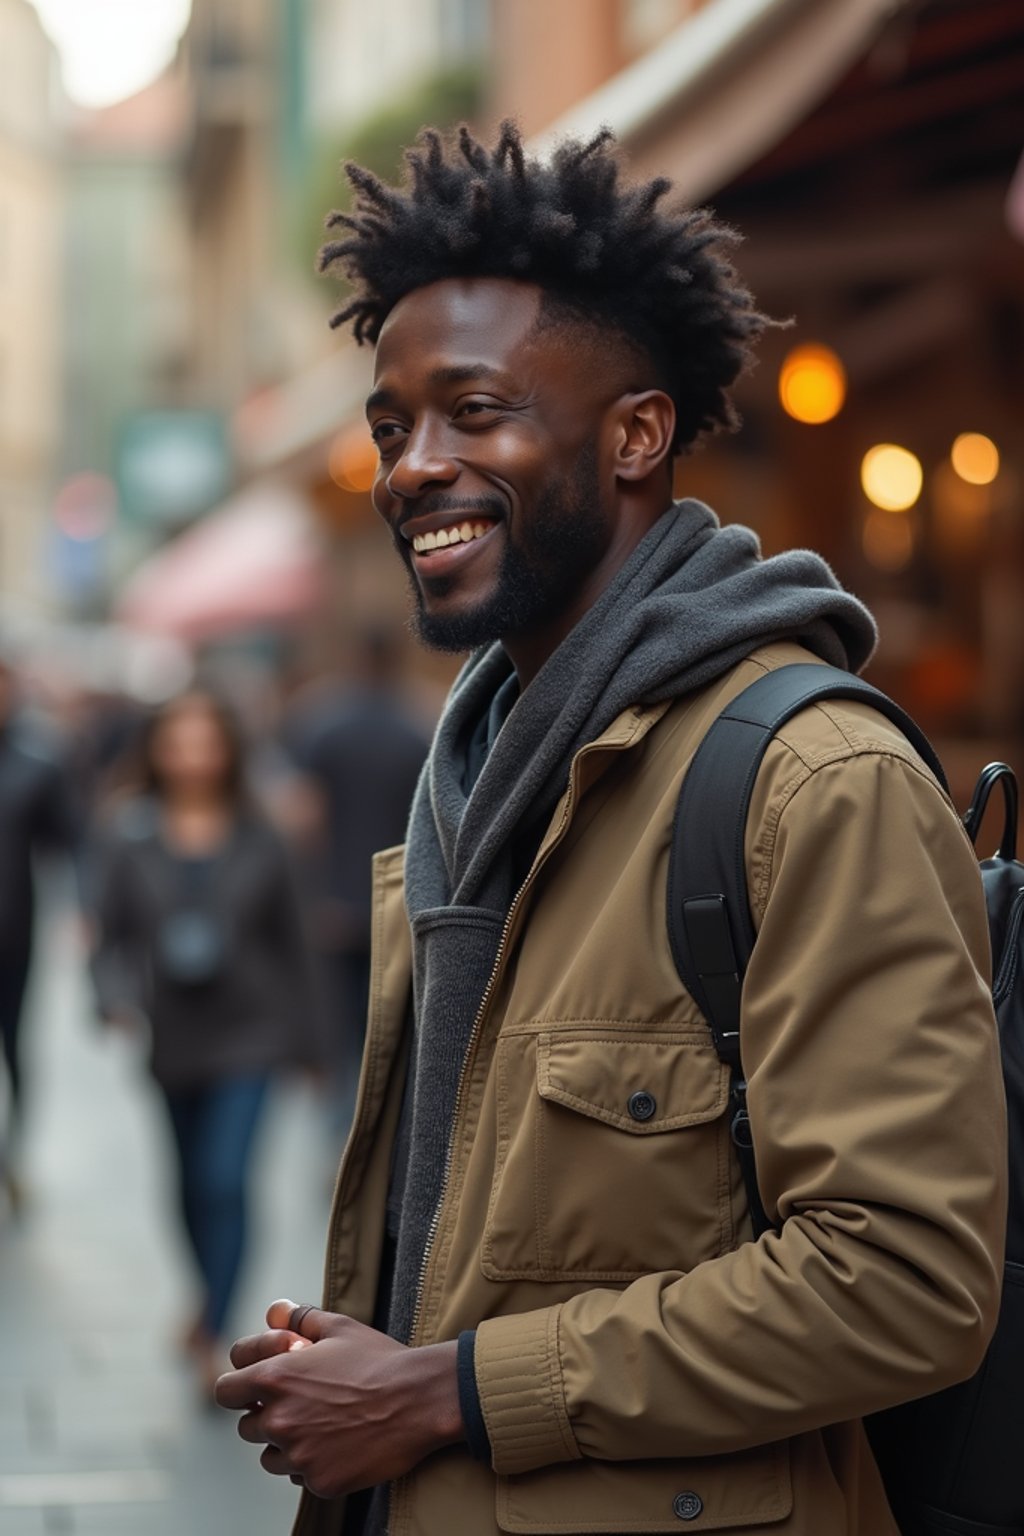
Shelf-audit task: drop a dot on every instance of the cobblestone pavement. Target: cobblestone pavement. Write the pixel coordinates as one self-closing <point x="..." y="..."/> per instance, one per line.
<point x="100" y="1426"/>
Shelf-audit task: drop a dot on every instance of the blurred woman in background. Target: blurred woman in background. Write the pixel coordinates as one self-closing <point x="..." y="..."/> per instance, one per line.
<point x="199" y="936"/>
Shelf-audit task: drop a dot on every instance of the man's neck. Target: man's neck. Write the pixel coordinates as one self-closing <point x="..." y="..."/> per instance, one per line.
<point x="529" y="652"/>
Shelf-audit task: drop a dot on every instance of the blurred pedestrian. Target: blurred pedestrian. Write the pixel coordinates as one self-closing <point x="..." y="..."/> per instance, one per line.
<point x="363" y="749"/>
<point x="35" y="816"/>
<point x="198" y="934"/>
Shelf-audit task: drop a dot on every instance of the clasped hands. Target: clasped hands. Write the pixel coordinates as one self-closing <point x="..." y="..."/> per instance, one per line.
<point x="336" y="1405"/>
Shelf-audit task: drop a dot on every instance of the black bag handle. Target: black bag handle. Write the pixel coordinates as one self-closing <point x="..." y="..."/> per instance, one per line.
<point x="710" y="926"/>
<point x="1002" y="774"/>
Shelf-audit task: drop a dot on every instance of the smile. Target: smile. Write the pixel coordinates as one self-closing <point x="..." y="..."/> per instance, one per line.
<point x="443" y="538"/>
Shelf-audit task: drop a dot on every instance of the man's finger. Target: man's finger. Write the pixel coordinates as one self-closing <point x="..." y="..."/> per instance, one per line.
<point x="263" y="1346"/>
<point x="280" y="1312"/>
<point x="312" y="1323"/>
<point x="252" y="1427"/>
<point x="276" y="1462"/>
<point x="240" y="1389"/>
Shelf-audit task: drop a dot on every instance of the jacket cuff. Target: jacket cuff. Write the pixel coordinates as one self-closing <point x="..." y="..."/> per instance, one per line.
<point x="477" y="1437"/>
<point x="522" y="1396"/>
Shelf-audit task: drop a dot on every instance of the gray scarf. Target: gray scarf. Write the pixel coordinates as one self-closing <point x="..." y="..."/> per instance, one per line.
<point x="691" y="601"/>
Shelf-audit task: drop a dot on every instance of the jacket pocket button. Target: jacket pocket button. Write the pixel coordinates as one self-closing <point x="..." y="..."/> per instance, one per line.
<point x="687" y="1506"/>
<point x="642" y="1105"/>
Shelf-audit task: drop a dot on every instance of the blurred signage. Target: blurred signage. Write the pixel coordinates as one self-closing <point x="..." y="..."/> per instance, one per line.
<point x="172" y="465"/>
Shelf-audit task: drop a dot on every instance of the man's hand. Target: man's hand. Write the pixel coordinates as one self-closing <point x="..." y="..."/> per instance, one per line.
<point x="337" y="1405"/>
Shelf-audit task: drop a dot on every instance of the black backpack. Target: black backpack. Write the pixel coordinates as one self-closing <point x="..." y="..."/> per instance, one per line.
<point x="953" y="1463"/>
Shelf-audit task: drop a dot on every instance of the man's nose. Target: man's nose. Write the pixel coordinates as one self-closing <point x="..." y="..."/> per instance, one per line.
<point x="425" y="462"/>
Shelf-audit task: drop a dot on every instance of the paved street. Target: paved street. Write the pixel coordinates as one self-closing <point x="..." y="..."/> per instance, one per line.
<point x="100" y="1430"/>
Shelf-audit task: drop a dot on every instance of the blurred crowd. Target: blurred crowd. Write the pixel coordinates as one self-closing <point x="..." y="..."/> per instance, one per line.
<point x="220" y="860"/>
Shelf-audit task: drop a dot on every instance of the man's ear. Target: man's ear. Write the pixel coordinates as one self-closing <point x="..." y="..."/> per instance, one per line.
<point x="643" y="426"/>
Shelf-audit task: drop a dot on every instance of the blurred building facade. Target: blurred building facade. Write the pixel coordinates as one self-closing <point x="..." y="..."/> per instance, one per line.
<point x="235" y="71"/>
<point x="31" y="317"/>
<point x="363" y="58"/>
<point x="547" y="58"/>
<point x="126" y="336"/>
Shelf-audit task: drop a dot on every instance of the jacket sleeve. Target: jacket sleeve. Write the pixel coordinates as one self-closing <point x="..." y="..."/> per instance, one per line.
<point x="876" y="1106"/>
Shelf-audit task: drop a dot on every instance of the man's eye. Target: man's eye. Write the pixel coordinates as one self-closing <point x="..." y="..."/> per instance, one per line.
<point x="477" y="407"/>
<point x="385" y="433"/>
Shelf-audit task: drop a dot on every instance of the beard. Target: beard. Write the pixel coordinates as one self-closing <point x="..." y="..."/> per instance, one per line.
<point x="540" y="573"/>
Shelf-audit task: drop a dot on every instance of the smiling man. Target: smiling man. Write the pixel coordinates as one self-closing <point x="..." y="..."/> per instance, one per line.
<point x="544" y="1311"/>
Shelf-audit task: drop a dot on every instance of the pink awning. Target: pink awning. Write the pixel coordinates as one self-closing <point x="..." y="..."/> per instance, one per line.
<point x="255" y="561"/>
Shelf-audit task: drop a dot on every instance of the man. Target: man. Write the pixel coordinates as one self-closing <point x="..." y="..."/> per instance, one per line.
<point x="35" y="816"/>
<point x="542" y="1311"/>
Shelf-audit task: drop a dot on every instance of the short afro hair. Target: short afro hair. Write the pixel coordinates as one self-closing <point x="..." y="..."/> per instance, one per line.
<point x="602" y="250"/>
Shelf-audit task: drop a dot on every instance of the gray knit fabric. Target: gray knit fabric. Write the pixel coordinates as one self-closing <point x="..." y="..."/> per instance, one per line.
<point x="692" y="600"/>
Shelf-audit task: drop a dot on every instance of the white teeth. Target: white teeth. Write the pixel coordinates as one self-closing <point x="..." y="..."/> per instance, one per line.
<point x="463" y="533"/>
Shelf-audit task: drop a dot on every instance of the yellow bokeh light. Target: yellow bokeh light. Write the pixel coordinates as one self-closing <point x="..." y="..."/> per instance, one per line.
<point x="353" y="460"/>
<point x="975" y="458"/>
<point x="887" y="540"/>
<point x="891" y="477"/>
<point x="812" y="384"/>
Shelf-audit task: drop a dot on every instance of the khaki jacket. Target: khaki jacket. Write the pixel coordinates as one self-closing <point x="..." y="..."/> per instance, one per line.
<point x="642" y="1366"/>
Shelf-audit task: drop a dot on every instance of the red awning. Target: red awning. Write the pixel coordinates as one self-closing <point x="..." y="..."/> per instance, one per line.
<point x="255" y="561"/>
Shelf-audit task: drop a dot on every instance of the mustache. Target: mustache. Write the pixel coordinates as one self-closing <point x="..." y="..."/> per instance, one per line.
<point x="484" y="506"/>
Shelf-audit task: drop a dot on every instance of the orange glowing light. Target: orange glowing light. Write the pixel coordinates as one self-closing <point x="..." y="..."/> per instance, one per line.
<point x="352" y="460"/>
<point x="812" y="384"/>
<point x="975" y="458"/>
<point x="891" y="477"/>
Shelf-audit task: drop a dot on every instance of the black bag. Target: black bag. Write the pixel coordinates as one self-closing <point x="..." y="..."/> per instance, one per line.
<point x="953" y="1463"/>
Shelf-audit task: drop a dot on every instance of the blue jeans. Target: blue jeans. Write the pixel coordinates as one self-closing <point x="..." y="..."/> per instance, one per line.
<point x="214" y="1128"/>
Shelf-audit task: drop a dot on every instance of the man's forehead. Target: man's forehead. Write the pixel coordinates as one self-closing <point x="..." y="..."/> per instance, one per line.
<point x="459" y="320"/>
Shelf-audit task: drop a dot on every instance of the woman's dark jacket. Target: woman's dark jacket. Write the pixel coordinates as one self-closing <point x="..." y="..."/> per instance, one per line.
<point x="252" y="1006"/>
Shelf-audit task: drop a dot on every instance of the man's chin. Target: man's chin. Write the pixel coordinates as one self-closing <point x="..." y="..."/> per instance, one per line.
<point x="454" y="633"/>
<point x="451" y="628"/>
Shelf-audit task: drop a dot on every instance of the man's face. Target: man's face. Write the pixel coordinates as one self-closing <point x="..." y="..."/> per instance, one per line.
<point x="490" y="473"/>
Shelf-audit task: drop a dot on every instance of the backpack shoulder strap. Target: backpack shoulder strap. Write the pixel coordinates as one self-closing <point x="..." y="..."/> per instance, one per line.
<point x="710" y="927"/>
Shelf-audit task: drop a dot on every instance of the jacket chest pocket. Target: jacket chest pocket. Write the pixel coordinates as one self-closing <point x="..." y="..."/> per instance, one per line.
<point x="612" y="1157"/>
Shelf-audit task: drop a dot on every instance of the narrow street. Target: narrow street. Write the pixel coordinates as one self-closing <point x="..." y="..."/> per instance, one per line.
<point x="100" y="1426"/>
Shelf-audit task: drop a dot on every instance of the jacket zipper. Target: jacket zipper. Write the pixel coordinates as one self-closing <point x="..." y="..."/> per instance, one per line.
<point x="499" y="958"/>
<point x="401" y="1483"/>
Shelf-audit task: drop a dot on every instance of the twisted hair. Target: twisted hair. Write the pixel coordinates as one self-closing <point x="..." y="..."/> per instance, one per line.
<point x="603" y="252"/>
